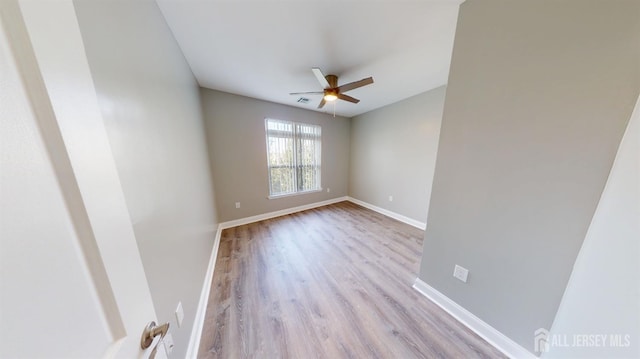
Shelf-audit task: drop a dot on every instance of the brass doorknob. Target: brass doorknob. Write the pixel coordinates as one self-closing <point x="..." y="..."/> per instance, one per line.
<point x="151" y="331"/>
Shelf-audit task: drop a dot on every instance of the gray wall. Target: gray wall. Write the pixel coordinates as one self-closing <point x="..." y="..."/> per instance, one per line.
<point x="607" y="270"/>
<point x="538" y="98"/>
<point x="238" y="153"/>
<point x="393" y="153"/>
<point x="150" y="105"/>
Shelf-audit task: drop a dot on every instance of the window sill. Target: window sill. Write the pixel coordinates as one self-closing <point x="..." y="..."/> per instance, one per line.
<point x="294" y="194"/>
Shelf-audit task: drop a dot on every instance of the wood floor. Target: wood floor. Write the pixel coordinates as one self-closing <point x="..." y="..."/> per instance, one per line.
<point x="331" y="282"/>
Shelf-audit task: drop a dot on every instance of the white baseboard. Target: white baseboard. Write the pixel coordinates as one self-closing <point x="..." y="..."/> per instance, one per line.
<point x="484" y="330"/>
<point x="198" y="323"/>
<point x="394" y="215"/>
<point x="282" y="212"/>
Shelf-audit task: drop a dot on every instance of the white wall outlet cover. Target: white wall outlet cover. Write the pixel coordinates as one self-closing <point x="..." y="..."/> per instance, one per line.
<point x="168" y="343"/>
<point x="328" y="189"/>
<point x="179" y="314"/>
<point x="460" y="273"/>
<point x="237" y="204"/>
<point x="390" y="198"/>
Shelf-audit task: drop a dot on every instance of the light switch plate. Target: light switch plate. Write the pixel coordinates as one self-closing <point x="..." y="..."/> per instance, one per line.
<point x="179" y="314"/>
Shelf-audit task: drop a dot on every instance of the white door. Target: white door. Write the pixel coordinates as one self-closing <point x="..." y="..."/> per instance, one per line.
<point x="71" y="279"/>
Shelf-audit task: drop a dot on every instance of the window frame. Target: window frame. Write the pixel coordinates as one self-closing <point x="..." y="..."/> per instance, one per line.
<point x="295" y="138"/>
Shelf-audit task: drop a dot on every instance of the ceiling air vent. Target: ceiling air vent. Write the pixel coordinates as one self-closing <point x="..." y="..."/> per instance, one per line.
<point x="303" y="100"/>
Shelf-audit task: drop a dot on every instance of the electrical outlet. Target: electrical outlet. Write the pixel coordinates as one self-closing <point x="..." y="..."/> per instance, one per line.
<point x="237" y="204"/>
<point x="179" y="314"/>
<point x="168" y="343"/>
<point x="460" y="273"/>
<point x="390" y="198"/>
<point x="328" y="189"/>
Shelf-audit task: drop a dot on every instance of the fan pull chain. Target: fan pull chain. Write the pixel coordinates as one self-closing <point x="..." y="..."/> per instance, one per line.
<point x="334" y="109"/>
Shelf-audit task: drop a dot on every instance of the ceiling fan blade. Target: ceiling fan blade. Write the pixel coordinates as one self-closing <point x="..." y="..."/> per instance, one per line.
<point x="354" y="85"/>
<point x="320" y="76"/>
<point x="307" y="93"/>
<point x="347" y="98"/>
<point x="322" y="102"/>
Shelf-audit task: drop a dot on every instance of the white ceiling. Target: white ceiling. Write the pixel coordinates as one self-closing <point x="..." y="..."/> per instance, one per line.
<point x="266" y="49"/>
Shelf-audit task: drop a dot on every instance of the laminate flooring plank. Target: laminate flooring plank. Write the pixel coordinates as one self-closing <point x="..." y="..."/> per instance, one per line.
<point x="330" y="282"/>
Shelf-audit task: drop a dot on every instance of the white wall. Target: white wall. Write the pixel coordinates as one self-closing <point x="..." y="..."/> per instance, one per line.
<point x="603" y="294"/>
<point x="150" y="104"/>
<point x="238" y="152"/>
<point x="393" y="153"/>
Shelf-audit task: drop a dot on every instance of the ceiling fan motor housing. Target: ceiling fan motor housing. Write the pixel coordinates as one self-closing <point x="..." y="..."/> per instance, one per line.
<point x="331" y="92"/>
<point x="332" y="80"/>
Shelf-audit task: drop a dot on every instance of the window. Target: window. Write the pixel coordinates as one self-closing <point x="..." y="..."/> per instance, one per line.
<point x="293" y="157"/>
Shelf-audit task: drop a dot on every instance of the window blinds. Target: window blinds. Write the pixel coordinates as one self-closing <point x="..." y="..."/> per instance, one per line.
<point x="293" y="157"/>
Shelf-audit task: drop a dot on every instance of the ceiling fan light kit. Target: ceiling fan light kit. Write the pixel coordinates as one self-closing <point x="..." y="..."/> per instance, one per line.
<point x="330" y="96"/>
<point x="332" y="91"/>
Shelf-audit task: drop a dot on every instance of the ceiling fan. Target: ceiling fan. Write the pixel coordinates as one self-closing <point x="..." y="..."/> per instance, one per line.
<point x="332" y="91"/>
